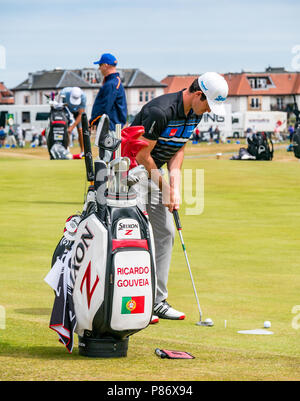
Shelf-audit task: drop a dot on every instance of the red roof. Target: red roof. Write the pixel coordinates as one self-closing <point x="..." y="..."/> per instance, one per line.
<point x="177" y="82"/>
<point x="285" y="83"/>
<point x="6" y="96"/>
<point x="281" y="84"/>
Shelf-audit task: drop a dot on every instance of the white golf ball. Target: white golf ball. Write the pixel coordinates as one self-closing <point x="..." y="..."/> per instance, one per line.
<point x="267" y="324"/>
<point x="208" y="320"/>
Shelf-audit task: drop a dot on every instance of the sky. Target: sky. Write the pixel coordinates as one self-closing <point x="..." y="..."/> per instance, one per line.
<point x="160" y="37"/>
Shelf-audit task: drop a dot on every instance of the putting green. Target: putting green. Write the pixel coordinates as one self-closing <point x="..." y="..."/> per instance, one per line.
<point x="244" y="253"/>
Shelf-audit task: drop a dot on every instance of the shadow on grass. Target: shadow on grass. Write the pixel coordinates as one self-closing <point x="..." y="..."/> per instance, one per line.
<point x="34" y="311"/>
<point x="43" y="352"/>
<point x="38" y="351"/>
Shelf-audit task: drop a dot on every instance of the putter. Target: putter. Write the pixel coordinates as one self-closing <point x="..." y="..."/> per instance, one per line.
<point x="209" y="322"/>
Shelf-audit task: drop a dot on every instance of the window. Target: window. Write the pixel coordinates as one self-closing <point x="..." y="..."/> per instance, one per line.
<point x="26" y="99"/>
<point x="260" y="82"/>
<point x="146" y="96"/>
<point x="141" y="96"/>
<point x="42" y="116"/>
<point x="254" y="103"/>
<point x="25" y="116"/>
<point x="279" y="102"/>
<point x="152" y="95"/>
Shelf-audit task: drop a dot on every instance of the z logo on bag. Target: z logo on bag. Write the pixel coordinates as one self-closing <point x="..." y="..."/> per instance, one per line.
<point x="87" y="278"/>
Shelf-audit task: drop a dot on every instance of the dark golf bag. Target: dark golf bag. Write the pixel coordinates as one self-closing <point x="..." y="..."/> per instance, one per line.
<point x="260" y="146"/>
<point x="296" y="136"/>
<point x="57" y="133"/>
<point x="296" y="143"/>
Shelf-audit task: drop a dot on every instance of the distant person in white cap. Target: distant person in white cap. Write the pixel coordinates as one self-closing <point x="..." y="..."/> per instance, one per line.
<point x="76" y="103"/>
<point x="169" y="121"/>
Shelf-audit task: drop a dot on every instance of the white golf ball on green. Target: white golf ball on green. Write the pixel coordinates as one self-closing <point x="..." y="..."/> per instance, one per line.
<point x="267" y="324"/>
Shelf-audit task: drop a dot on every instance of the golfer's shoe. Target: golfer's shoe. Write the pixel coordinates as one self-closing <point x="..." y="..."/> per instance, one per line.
<point x="154" y="319"/>
<point x="165" y="311"/>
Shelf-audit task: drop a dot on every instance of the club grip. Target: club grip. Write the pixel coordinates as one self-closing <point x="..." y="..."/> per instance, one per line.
<point x="177" y="219"/>
<point x="88" y="157"/>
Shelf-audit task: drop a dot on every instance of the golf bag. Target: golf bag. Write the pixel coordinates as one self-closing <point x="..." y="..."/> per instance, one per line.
<point x="260" y="146"/>
<point x="296" y="143"/>
<point x="114" y="279"/>
<point x="109" y="263"/>
<point x="57" y="132"/>
<point x="296" y="135"/>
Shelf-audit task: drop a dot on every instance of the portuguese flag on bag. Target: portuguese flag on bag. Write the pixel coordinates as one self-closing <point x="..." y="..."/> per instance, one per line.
<point x="132" y="305"/>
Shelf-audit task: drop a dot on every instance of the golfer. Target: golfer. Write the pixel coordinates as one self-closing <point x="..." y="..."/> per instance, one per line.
<point x="169" y="121"/>
<point x="76" y="103"/>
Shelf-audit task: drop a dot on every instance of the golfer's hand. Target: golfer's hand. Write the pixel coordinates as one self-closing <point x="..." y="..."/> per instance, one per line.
<point x="171" y="200"/>
<point x="70" y="129"/>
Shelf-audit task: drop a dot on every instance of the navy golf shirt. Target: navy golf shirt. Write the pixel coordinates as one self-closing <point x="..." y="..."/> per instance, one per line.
<point x="110" y="100"/>
<point x="164" y="121"/>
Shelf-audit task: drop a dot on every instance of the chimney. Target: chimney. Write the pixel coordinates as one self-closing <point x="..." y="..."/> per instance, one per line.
<point x="30" y="79"/>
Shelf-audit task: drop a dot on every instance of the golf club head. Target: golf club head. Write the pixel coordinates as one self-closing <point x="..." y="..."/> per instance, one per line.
<point x="137" y="174"/>
<point x="206" y="324"/>
<point x="105" y="140"/>
<point x="120" y="164"/>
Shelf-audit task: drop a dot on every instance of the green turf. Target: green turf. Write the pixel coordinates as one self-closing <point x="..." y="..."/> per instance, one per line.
<point x="244" y="252"/>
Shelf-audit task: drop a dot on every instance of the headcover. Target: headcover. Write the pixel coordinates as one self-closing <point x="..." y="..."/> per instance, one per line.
<point x="105" y="139"/>
<point x="131" y="145"/>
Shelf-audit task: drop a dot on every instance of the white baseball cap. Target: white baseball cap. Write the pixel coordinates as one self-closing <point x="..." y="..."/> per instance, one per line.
<point x="75" y="95"/>
<point x="215" y="88"/>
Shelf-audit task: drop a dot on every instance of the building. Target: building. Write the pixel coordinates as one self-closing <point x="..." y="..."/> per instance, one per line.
<point x="271" y="90"/>
<point x="139" y="87"/>
<point x="175" y="83"/>
<point x="6" y="96"/>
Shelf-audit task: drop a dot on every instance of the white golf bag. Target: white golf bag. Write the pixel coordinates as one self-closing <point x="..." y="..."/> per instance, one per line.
<point x="112" y="278"/>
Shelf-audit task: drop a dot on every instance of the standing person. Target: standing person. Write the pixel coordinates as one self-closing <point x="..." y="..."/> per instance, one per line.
<point x="111" y="99"/>
<point x="76" y="103"/>
<point x="211" y="134"/>
<point x="11" y="139"/>
<point x="217" y="132"/>
<point x="2" y="136"/>
<point x="291" y="133"/>
<point x="169" y="121"/>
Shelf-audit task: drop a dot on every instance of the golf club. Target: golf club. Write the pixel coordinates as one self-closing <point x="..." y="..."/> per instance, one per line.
<point x="208" y="322"/>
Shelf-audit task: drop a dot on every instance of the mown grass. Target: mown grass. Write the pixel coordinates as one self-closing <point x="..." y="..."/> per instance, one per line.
<point x="244" y="252"/>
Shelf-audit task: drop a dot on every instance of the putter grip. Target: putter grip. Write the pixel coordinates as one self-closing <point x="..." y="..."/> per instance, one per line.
<point x="88" y="158"/>
<point x="177" y="219"/>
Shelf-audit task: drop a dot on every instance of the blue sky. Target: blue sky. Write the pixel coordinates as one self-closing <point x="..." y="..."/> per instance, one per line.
<point x="160" y="37"/>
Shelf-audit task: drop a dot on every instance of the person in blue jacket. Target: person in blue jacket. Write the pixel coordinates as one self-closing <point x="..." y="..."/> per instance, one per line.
<point x="111" y="99"/>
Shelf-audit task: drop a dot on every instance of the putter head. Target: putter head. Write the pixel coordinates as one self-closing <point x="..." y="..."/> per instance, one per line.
<point x="206" y="323"/>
